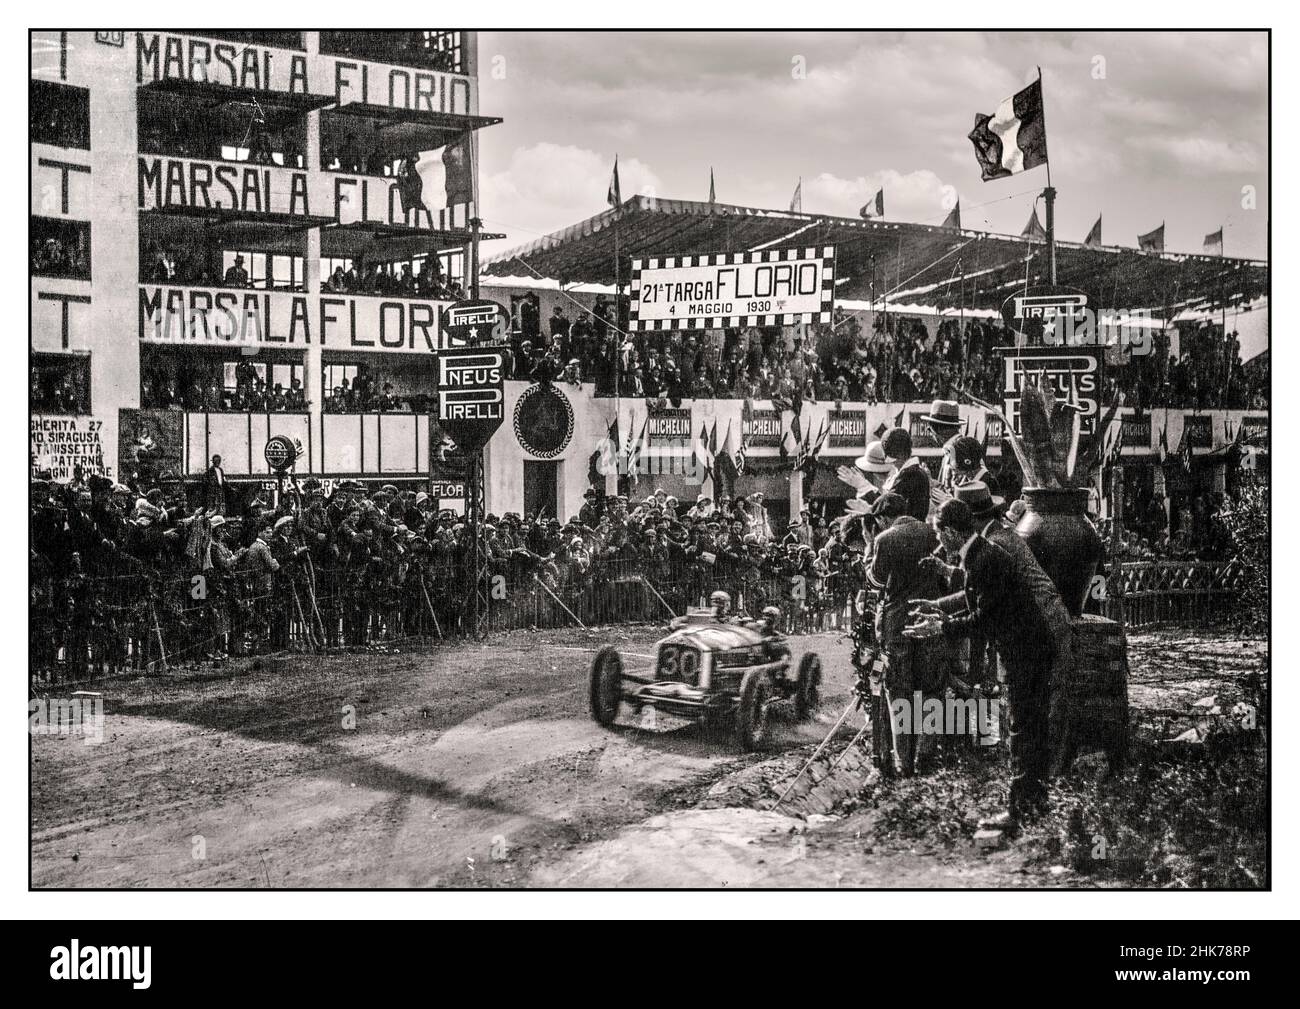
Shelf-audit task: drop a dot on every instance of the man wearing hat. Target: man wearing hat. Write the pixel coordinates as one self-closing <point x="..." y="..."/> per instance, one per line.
<point x="944" y="421"/>
<point x="286" y="550"/>
<point x="702" y="508"/>
<point x="259" y="559"/>
<point x="986" y="510"/>
<point x="591" y="510"/>
<point x="236" y="276"/>
<point x="876" y="468"/>
<point x="909" y="479"/>
<point x="759" y="524"/>
<point x="897" y="571"/>
<point x="214" y="487"/>
<point x="999" y="602"/>
<point x="963" y="462"/>
<point x="805" y="532"/>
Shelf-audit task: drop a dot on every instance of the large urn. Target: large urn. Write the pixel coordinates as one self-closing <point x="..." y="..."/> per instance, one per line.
<point x="1056" y="527"/>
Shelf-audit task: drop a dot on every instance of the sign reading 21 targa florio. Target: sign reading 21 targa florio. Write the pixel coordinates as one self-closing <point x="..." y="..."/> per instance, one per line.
<point x="775" y="287"/>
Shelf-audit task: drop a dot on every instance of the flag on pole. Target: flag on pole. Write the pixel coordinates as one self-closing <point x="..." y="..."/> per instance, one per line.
<point x="746" y="419"/>
<point x="808" y="463"/>
<point x="458" y="161"/>
<point x="876" y="207"/>
<point x="796" y="201"/>
<point x="713" y="194"/>
<point x="704" y="459"/>
<point x="1014" y="138"/>
<point x="1185" y="452"/>
<point x="724" y="462"/>
<point x="634" y="454"/>
<point x="595" y="477"/>
<point x="615" y="195"/>
<point x="1153" y="241"/>
<point x="953" y="220"/>
<point x="1033" y="230"/>
<point x="1213" y="244"/>
<point x="1093" y="240"/>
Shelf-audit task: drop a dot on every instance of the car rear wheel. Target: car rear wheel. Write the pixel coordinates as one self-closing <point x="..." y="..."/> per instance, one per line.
<point x="752" y="712"/>
<point x="606" y="685"/>
<point x="808" y="687"/>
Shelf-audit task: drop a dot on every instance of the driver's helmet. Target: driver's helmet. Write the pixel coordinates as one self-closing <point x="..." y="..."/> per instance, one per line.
<point x="771" y="614"/>
<point x="720" y="602"/>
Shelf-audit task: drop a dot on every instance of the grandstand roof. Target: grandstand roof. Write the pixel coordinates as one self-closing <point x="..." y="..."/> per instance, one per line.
<point x="914" y="263"/>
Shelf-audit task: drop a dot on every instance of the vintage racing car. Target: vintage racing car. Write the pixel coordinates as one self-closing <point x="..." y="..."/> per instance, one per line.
<point x="715" y="671"/>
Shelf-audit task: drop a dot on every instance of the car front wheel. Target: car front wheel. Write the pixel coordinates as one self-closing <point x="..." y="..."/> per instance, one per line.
<point x="808" y="687"/>
<point x="606" y="685"/>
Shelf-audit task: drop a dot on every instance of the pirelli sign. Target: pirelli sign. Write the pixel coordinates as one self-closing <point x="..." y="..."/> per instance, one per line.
<point x="471" y="396"/>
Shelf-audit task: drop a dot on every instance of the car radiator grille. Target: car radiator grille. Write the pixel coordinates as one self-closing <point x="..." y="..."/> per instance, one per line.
<point x="679" y="662"/>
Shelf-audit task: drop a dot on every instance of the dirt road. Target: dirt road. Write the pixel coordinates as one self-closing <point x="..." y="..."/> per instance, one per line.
<point x="474" y="765"/>
<point x="461" y="765"/>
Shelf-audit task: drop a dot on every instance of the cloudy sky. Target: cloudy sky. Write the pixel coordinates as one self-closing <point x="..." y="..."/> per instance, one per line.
<point x="1141" y="127"/>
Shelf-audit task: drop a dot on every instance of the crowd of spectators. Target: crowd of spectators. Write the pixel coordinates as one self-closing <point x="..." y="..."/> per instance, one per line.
<point x="190" y="265"/>
<point x="899" y="358"/>
<point x="367" y="393"/>
<point x="169" y="382"/>
<point x="1206" y="373"/>
<point x="56" y="257"/>
<point x="197" y="384"/>
<point x="403" y="281"/>
<point x="435" y="50"/>
<point x="113" y="565"/>
<point x="1195" y="530"/>
<point x="58" y="391"/>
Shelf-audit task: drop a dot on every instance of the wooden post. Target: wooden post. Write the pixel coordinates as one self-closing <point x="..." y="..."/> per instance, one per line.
<point x="157" y="629"/>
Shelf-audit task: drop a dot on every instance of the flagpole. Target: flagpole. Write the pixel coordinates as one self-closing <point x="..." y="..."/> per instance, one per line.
<point x="1049" y="196"/>
<point x="476" y="222"/>
<point x="618" y="316"/>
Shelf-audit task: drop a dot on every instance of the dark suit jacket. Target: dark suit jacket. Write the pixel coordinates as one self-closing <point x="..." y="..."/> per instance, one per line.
<point x="913" y="483"/>
<point x="1000" y="604"/>
<point x="895" y="568"/>
<point x="1043" y="588"/>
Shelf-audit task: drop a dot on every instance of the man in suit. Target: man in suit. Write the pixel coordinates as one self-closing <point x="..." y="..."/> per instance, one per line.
<point x="999" y="602"/>
<point x="987" y="513"/>
<point x="876" y="470"/>
<point x="963" y="462"/>
<point x="910" y="479"/>
<point x="944" y="422"/>
<point x="911" y="666"/>
<point x="214" y="487"/>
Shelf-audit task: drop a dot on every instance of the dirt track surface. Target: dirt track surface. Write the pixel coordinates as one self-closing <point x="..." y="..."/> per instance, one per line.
<point x="468" y="766"/>
<point x="479" y="766"/>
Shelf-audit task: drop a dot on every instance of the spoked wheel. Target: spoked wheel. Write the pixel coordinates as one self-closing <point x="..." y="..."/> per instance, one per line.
<point x="752" y="712"/>
<point x="808" y="687"/>
<point x="606" y="685"/>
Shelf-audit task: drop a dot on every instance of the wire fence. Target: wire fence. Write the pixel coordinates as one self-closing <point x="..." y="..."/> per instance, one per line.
<point x="82" y="627"/>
